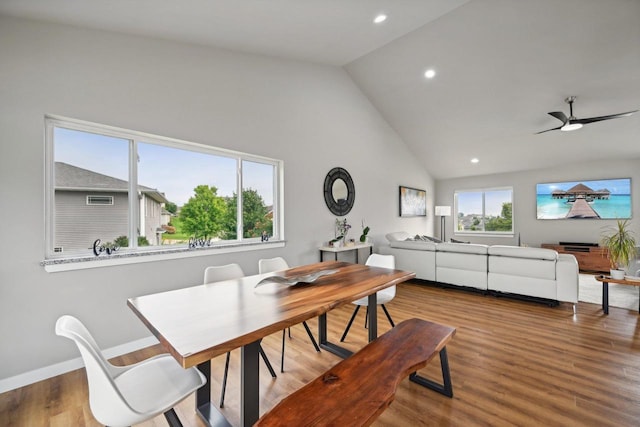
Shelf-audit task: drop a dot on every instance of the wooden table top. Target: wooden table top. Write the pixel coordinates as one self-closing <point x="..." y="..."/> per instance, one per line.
<point x="610" y="279"/>
<point x="198" y="323"/>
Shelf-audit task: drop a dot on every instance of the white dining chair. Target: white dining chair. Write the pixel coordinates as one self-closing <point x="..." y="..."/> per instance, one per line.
<point x="219" y="273"/>
<point x="383" y="296"/>
<point x="268" y="265"/>
<point x="127" y="395"/>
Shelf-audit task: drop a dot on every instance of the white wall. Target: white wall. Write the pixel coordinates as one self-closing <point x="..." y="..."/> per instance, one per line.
<point x="532" y="231"/>
<point x="313" y="117"/>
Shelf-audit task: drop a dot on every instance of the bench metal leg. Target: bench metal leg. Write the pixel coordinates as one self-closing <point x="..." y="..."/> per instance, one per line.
<point x="446" y="388"/>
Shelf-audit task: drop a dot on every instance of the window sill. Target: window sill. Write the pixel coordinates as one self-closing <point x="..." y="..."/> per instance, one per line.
<point x="486" y="234"/>
<point x="85" y="262"/>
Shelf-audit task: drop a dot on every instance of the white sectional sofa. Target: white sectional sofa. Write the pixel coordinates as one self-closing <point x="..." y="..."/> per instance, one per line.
<point x="531" y="272"/>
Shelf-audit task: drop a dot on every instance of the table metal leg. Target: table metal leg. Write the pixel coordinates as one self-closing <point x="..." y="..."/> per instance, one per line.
<point x="372" y="312"/>
<point x="605" y="297"/>
<point x="341" y="351"/>
<point x="250" y="384"/>
<point x="324" y="342"/>
<point x="208" y="412"/>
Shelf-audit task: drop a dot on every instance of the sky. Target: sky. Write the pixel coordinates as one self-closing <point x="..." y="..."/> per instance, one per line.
<point x="175" y="172"/>
<point x="470" y="202"/>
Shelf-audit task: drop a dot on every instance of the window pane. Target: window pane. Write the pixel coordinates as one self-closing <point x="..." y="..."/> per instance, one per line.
<point x="469" y="207"/>
<point x="257" y="199"/>
<point x="485" y="211"/>
<point x="186" y="194"/>
<point x="89" y="167"/>
<point x="498" y="210"/>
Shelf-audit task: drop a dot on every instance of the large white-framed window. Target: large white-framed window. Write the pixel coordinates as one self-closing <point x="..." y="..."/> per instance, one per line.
<point x="484" y="211"/>
<point x="109" y="188"/>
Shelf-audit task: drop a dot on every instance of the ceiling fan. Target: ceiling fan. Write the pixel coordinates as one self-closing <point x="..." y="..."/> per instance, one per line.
<point x="573" y="123"/>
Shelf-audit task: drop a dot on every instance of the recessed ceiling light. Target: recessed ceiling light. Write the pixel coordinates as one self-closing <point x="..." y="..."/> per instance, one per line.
<point x="430" y="73"/>
<point x="380" y="18"/>
<point x="474" y="160"/>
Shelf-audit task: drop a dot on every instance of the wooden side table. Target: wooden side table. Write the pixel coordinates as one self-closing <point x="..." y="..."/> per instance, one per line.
<point x="356" y="248"/>
<point x="605" y="289"/>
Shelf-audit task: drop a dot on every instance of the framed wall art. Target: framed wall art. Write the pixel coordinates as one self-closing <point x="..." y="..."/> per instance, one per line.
<point x="593" y="199"/>
<point x="413" y="202"/>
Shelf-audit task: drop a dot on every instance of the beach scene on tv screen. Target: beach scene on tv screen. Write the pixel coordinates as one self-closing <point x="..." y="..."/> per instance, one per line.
<point x="597" y="199"/>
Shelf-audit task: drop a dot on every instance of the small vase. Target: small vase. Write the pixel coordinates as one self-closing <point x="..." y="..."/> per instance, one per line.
<point x="617" y="274"/>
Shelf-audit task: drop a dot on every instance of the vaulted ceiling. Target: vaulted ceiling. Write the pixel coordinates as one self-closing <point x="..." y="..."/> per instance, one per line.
<point x="501" y="65"/>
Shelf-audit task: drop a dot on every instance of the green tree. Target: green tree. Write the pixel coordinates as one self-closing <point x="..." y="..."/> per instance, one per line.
<point x="171" y="207"/>
<point x="204" y="215"/>
<point x="504" y="222"/>
<point x="255" y="215"/>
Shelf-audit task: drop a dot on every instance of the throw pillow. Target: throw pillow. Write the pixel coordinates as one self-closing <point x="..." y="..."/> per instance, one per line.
<point x="457" y="241"/>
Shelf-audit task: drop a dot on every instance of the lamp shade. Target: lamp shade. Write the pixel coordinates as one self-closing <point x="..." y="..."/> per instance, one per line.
<point x="443" y="210"/>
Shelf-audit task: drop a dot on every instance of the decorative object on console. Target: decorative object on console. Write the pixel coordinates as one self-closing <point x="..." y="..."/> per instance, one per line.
<point x="413" y="202"/>
<point x="365" y="232"/>
<point x="597" y="199"/>
<point x="341" y="229"/>
<point x="621" y="244"/>
<point x="442" y="212"/>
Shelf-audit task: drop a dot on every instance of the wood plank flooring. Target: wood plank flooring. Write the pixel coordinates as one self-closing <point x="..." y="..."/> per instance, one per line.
<point x="513" y="363"/>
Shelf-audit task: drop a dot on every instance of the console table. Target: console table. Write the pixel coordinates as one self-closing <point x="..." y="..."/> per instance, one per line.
<point x="605" y="289"/>
<point x="589" y="257"/>
<point x="356" y="248"/>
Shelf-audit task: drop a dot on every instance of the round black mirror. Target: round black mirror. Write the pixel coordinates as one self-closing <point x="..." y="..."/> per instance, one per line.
<point x="339" y="191"/>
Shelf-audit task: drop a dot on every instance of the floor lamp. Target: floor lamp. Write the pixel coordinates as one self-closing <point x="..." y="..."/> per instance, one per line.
<point x="442" y="212"/>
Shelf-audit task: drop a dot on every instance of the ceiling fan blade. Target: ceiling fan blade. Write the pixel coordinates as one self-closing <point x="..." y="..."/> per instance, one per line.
<point x="559" y="115"/>
<point x="548" y="130"/>
<point x="601" y="118"/>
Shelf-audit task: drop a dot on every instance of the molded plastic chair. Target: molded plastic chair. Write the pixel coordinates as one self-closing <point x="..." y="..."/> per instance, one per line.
<point x="220" y="273"/>
<point x="127" y="395"/>
<point x="277" y="264"/>
<point x="383" y="296"/>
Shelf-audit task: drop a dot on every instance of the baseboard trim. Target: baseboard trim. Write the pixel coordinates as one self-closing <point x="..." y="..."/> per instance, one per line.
<point x="50" y="371"/>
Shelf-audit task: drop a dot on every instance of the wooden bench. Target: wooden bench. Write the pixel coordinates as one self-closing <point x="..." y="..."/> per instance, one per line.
<point x="358" y="389"/>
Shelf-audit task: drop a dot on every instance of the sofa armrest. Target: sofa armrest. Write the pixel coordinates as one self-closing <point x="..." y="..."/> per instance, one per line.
<point x="567" y="278"/>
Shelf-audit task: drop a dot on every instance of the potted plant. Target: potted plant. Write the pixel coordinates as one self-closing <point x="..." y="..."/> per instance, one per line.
<point x="621" y="246"/>
<point x="363" y="236"/>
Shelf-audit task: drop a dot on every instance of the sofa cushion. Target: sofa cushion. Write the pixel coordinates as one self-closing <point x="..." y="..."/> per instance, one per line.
<point x="521" y="252"/>
<point x="461" y="261"/>
<point x="467" y="248"/>
<point x="523" y="267"/>
<point x="397" y="236"/>
<point x="412" y="244"/>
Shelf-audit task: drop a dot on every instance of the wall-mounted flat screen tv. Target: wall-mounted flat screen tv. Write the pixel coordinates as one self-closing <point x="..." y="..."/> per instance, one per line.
<point x="595" y="199"/>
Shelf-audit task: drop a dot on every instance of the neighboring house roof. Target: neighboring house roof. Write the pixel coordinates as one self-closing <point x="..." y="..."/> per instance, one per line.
<point x="74" y="178"/>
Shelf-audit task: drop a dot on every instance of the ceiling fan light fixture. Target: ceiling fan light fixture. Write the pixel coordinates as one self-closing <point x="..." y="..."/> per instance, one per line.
<point x="571" y="126"/>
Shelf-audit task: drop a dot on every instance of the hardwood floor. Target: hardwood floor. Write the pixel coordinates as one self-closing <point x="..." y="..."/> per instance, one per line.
<point x="512" y="363"/>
